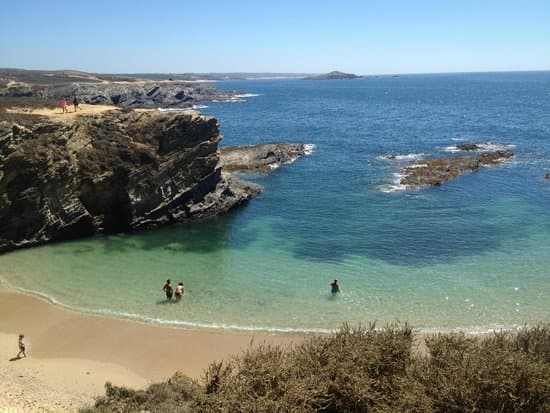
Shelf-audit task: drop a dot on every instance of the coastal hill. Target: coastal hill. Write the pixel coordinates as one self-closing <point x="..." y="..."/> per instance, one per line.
<point x="334" y="75"/>
<point x="123" y="91"/>
<point x="50" y="77"/>
<point x="65" y="176"/>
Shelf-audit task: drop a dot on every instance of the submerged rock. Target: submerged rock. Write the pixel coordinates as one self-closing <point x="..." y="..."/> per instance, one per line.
<point x="468" y="147"/>
<point x="110" y="172"/>
<point x="260" y="158"/>
<point x="436" y="171"/>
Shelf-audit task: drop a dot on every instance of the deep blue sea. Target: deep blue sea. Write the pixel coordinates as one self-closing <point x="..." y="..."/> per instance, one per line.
<point x="471" y="254"/>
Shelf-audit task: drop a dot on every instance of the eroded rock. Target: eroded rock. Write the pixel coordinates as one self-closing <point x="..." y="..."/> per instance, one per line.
<point x="436" y="171"/>
<point x="260" y="158"/>
<point x="116" y="171"/>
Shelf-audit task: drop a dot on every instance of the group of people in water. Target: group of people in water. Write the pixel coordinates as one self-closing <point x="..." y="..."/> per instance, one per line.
<point x="64" y="105"/>
<point x="180" y="289"/>
<point x="170" y="292"/>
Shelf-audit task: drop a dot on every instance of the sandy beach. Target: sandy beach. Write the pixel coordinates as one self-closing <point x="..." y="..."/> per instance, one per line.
<point x="70" y="356"/>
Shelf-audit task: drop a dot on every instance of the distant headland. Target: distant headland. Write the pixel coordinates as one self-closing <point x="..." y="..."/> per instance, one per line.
<point x="334" y="75"/>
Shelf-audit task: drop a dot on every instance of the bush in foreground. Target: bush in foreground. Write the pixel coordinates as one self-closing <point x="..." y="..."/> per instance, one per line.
<point x="362" y="370"/>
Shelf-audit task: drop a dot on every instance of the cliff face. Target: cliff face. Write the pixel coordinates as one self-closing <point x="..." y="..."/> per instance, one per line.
<point x="116" y="171"/>
<point x="143" y="94"/>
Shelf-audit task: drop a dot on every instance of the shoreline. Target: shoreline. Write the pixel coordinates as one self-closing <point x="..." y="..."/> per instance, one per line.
<point x="71" y="355"/>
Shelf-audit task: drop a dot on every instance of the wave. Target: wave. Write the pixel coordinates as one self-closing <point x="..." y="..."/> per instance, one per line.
<point x="246" y="95"/>
<point x="406" y="157"/>
<point x="395" y="186"/>
<point x="309" y="148"/>
<point x="169" y="323"/>
<point x="483" y="147"/>
<point x="194" y="107"/>
<point x="244" y="328"/>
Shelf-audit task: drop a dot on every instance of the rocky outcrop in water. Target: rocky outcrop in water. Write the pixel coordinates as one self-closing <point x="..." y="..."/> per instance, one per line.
<point x="468" y="147"/>
<point x="137" y="94"/>
<point x="112" y="172"/>
<point x="260" y="158"/>
<point x="436" y="171"/>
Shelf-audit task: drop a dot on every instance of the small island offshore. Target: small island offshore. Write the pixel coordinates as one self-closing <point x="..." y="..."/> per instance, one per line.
<point x="334" y="75"/>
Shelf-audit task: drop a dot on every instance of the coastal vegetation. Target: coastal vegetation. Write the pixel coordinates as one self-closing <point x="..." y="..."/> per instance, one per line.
<point x="362" y="370"/>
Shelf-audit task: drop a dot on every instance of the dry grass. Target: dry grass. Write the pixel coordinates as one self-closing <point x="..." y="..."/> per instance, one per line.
<point x="363" y="370"/>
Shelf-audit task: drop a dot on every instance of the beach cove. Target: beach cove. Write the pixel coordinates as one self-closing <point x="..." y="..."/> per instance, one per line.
<point x="470" y="255"/>
<point x="70" y="356"/>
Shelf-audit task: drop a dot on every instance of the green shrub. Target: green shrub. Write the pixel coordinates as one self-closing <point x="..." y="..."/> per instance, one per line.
<point x="362" y="370"/>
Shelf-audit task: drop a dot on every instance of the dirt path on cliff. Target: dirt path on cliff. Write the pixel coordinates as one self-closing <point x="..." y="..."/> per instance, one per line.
<point x="58" y="115"/>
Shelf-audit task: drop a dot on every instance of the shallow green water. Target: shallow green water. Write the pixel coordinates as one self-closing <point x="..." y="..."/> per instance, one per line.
<point x="473" y="254"/>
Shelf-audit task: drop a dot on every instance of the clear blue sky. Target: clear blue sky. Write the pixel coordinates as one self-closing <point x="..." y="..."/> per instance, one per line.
<point x="276" y="36"/>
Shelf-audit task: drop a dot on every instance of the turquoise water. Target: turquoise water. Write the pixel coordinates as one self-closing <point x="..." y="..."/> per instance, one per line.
<point x="473" y="254"/>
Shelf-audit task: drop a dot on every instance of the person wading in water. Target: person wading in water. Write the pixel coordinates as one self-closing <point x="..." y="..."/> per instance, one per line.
<point x="168" y="290"/>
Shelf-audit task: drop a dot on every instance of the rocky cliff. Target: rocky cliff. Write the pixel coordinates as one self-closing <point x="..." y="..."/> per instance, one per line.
<point x="110" y="172"/>
<point x="136" y="94"/>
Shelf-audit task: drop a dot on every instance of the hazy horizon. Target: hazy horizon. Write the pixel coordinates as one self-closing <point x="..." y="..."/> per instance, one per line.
<point x="289" y="73"/>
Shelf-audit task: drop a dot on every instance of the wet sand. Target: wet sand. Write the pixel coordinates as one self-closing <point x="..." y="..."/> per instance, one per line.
<point x="71" y="355"/>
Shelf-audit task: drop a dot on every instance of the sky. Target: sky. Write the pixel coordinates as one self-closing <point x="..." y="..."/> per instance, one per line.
<point x="363" y="37"/>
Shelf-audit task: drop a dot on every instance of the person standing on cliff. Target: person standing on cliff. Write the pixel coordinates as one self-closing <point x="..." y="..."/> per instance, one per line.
<point x="168" y="290"/>
<point x="63" y="104"/>
<point x="75" y="103"/>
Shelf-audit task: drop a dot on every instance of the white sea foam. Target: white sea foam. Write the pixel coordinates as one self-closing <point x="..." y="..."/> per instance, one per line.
<point x="236" y="327"/>
<point x="170" y="323"/>
<point x="406" y="157"/>
<point x="173" y="109"/>
<point x="275" y="165"/>
<point x="395" y="186"/>
<point x="194" y="107"/>
<point x="247" y="95"/>
<point x="309" y="148"/>
<point x="483" y="147"/>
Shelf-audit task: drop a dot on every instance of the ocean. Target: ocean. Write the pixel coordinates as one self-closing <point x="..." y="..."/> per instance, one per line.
<point x="472" y="254"/>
